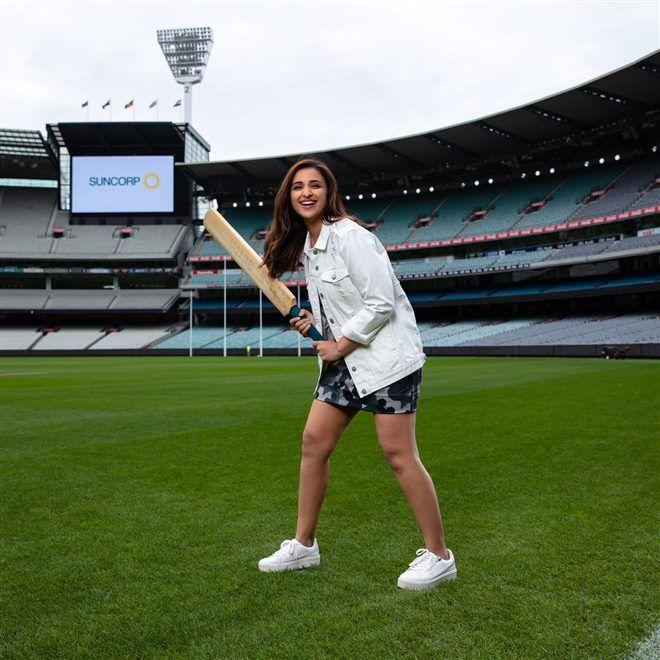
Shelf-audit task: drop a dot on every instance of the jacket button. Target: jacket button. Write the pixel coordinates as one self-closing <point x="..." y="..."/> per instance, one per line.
<point x="334" y="277"/>
<point x="321" y="295"/>
<point x="353" y="369"/>
<point x="332" y="320"/>
<point x="315" y="251"/>
<point x="364" y="391"/>
<point x="316" y="267"/>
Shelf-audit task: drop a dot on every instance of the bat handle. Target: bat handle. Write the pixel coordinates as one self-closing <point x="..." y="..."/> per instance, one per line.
<point x="313" y="332"/>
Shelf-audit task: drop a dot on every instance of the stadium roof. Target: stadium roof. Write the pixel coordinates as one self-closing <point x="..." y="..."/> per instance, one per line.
<point x="25" y="155"/>
<point x="110" y="137"/>
<point x="612" y="103"/>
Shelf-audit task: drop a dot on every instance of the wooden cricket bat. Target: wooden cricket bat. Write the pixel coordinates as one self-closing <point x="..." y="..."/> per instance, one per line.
<point x="249" y="261"/>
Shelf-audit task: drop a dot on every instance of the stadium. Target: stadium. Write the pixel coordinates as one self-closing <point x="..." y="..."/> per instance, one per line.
<point x="532" y="232"/>
<point x="130" y="467"/>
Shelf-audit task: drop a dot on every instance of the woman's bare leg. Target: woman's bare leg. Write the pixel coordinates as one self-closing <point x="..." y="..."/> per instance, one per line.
<point x="325" y="424"/>
<point x="396" y="436"/>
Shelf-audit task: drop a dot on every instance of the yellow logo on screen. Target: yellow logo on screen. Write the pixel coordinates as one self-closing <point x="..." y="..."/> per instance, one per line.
<point x="151" y="181"/>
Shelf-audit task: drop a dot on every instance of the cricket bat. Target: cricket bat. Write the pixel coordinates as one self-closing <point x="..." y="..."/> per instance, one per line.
<point x="249" y="261"/>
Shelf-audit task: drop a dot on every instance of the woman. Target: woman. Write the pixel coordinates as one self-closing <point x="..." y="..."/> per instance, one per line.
<point x="370" y="359"/>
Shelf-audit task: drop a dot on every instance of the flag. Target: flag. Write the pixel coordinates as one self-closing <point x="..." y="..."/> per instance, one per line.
<point x="129" y="105"/>
<point x="105" y="105"/>
<point x="177" y="104"/>
<point x="85" y="104"/>
<point x="154" y="104"/>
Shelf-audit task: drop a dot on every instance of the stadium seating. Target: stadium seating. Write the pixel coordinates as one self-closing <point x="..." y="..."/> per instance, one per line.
<point x="446" y="266"/>
<point x="87" y="299"/>
<point x="396" y="220"/>
<point x="28" y="217"/>
<point x="643" y="327"/>
<point x="632" y="328"/>
<point x="17" y="339"/>
<point x="68" y="339"/>
<point x="562" y="202"/>
<point x="25" y="215"/>
<point x="623" y="193"/>
<point x="638" y="328"/>
<point x="127" y="338"/>
<point x="507" y="208"/>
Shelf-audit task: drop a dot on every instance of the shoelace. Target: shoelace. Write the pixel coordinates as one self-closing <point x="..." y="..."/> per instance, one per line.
<point x="286" y="547"/>
<point x="425" y="559"/>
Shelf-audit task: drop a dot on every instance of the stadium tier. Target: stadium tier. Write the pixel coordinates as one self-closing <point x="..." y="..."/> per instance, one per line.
<point x="82" y="338"/>
<point x="87" y="300"/>
<point x="451" y="266"/>
<point x="33" y="226"/>
<point x="586" y="329"/>
<point x="483" y="210"/>
<point x="641" y="328"/>
<point x="525" y="215"/>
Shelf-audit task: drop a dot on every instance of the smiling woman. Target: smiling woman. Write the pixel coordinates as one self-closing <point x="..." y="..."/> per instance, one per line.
<point x="370" y="359"/>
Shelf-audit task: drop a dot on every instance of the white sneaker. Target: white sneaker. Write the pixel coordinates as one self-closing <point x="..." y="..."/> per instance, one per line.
<point x="427" y="571"/>
<point x="291" y="556"/>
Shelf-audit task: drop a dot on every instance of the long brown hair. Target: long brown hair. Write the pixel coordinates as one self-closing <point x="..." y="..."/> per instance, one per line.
<point x="287" y="232"/>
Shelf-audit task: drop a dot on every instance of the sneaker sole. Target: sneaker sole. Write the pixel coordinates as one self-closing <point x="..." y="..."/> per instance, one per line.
<point x="294" y="566"/>
<point x="418" y="586"/>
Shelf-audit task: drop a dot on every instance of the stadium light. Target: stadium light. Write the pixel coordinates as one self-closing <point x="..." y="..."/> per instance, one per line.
<point x="235" y="204"/>
<point x="476" y="183"/>
<point x="617" y="157"/>
<point x="552" y="170"/>
<point x="490" y="181"/>
<point x="348" y="198"/>
<point x="360" y="196"/>
<point x="523" y="175"/>
<point x="431" y="188"/>
<point x="373" y="195"/>
<point x="261" y="203"/>
<point x="247" y="204"/>
<point x="586" y="163"/>
<point x="418" y="190"/>
<point x="654" y="148"/>
<point x="462" y="184"/>
<point x="405" y="192"/>
<point x="601" y="161"/>
<point x="537" y="173"/>
<point x="187" y="51"/>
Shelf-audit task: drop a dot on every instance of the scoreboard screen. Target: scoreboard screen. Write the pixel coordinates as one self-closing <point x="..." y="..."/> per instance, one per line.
<point x="122" y="184"/>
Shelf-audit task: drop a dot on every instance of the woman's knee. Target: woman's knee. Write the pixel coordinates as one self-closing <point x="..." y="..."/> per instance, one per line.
<point x="399" y="458"/>
<point x="317" y="445"/>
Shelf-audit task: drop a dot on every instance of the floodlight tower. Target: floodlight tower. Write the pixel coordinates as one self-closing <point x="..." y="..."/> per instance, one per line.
<point x="187" y="51"/>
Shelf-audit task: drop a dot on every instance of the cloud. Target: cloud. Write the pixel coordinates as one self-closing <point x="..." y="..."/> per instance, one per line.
<point x="290" y="77"/>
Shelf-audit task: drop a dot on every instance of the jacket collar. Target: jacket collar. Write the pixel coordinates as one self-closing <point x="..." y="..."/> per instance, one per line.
<point x="321" y="241"/>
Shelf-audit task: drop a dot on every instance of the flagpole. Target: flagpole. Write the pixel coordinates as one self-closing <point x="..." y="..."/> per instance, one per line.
<point x="261" y="325"/>
<point x="297" y="333"/>
<point x="87" y="108"/>
<point x="133" y="106"/>
<point x="224" y="309"/>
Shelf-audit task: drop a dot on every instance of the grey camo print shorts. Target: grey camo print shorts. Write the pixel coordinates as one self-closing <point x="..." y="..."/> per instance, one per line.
<point x="337" y="387"/>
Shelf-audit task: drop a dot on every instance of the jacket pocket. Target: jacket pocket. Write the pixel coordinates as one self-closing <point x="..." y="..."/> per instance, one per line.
<point x="384" y="351"/>
<point x="334" y="275"/>
<point x="338" y="284"/>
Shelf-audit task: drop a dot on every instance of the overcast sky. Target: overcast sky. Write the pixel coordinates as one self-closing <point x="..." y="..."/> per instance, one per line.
<point x="297" y="76"/>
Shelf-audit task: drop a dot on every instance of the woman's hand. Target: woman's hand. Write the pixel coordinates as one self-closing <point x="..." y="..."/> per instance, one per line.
<point x="328" y="350"/>
<point x="303" y="322"/>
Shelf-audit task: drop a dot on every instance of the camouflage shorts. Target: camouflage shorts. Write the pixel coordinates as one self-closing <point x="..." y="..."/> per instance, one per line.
<point x="337" y="387"/>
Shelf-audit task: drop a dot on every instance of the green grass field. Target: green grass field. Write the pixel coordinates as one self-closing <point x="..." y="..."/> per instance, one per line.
<point x="139" y="493"/>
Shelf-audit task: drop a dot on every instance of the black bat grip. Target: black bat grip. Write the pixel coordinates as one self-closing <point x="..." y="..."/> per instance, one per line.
<point x="313" y="332"/>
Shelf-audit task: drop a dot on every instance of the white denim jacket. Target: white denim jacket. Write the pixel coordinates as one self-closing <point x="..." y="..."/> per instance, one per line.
<point x="350" y="270"/>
